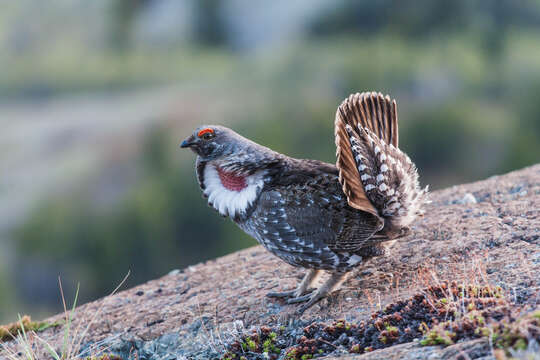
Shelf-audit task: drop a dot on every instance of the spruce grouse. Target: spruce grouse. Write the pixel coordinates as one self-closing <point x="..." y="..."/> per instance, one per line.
<point x="309" y="213"/>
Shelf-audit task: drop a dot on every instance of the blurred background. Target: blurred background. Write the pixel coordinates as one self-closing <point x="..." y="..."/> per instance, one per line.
<point x="95" y="97"/>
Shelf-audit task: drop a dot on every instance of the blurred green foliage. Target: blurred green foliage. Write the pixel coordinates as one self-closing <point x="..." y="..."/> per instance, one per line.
<point x="161" y="224"/>
<point x="466" y="75"/>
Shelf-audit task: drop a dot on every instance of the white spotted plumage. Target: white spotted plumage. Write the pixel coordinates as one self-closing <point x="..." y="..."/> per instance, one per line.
<point x="309" y="213"/>
<point x="384" y="170"/>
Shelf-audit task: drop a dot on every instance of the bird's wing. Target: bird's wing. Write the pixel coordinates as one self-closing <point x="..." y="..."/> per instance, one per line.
<point x="357" y="118"/>
<point x="307" y="220"/>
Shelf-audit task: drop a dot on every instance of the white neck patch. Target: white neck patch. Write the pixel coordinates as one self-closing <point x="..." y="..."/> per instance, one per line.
<point x="229" y="202"/>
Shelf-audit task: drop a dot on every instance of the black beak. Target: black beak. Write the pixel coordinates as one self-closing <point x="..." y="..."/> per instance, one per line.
<point x="190" y="141"/>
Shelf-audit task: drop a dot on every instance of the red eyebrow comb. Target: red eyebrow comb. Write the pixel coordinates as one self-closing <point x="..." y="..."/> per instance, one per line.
<point x="204" y="131"/>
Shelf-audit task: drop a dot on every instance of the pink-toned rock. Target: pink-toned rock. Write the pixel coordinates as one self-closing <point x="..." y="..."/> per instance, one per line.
<point x="497" y="235"/>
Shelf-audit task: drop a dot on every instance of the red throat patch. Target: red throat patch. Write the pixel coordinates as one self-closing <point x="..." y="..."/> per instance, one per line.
<point x="231" y="181"/>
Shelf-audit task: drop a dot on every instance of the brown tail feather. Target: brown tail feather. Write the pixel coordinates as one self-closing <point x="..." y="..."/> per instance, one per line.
<point x="373" y="111"/>
<point x="350" y="180"/>
<point x="376" y="176"/>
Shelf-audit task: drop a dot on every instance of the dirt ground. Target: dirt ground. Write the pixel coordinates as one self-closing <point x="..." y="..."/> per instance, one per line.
<point x="484" y="231"/>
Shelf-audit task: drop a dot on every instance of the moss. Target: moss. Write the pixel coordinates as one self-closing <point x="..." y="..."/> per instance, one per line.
<point x="491" y="317"/>
<point x="340" y="324"/>
<point x="269" y="346"/>
<point x="423" y="328"/>
<point x="438" y="313"/>
<point x="480" y="319"/>
<point x="389" y="335"/>
<point x="438" y="338"/>
<point x="229" y="356"/>
<point x="517" y="334"/>
<point x="520" y="344"/>
<point x="291" y="354"/>
<point x="9" y="331"/>
<point x="251" y="345"/>
<point x="260" y="341"/>
<point x="104" y="357"/>
<point x="484" y="331"/>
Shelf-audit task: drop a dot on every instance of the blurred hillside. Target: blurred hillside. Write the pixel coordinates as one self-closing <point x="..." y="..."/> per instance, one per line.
<point x="96" y="96"/>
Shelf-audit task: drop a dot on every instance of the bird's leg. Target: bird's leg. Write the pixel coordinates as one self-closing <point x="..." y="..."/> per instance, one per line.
<point x="308" y="279"/>
<point x="335" y="280"/>
<point x="332" y="283"/>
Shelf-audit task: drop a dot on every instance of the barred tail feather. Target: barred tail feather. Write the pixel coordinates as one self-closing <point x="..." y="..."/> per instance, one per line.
<point x="366" y="125"/>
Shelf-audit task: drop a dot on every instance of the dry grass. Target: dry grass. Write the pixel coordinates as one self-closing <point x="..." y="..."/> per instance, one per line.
<point x="27" y="344"/>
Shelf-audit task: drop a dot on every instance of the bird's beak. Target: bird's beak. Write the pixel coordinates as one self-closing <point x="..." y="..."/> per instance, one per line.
<point x="189" y="142"/>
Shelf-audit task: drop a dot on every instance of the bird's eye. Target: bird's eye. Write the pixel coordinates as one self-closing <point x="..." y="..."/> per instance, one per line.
<point x="206" y="134"/>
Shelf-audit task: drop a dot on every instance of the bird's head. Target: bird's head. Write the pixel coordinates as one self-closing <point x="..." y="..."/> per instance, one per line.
<point x="213" y="142"/>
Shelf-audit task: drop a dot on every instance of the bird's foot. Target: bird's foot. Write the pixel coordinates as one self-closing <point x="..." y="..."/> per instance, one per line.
<point x="293" y="294"/>
<point x="293" y="297"/>
<point x="302" y="288"/>
<point x="313" y="298"/>
<point x="299" y="299"/>
<point x="332" y="283"/>
<point x="302" y="293"/>
<point x="281" y="295"/>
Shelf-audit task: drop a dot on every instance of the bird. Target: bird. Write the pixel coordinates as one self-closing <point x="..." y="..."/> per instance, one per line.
<point x="311" y="214"/>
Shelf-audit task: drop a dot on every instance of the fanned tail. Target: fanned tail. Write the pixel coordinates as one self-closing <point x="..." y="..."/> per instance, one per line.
<point x="376" y="175"/>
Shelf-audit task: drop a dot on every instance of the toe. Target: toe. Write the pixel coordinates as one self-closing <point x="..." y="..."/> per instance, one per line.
<point x="312" y="301"/>
<point x="285" y="294"/>
<point x="299" y="299"/>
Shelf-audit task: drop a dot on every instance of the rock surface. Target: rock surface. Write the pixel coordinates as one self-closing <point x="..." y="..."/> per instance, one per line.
<point x="193" y="313"/>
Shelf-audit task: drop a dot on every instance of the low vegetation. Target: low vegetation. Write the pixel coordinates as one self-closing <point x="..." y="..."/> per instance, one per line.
<point x="12" y="330"/>
<point x="442" y="314"/>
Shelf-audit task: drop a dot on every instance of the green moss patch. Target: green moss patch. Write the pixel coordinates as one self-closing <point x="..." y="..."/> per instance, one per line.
<point x="10" y="331"/>
<point x="262" y="341"/>
<point x="503" y="325"/>
<point x="438" y="315"/>
<point x="104" y="357"/>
